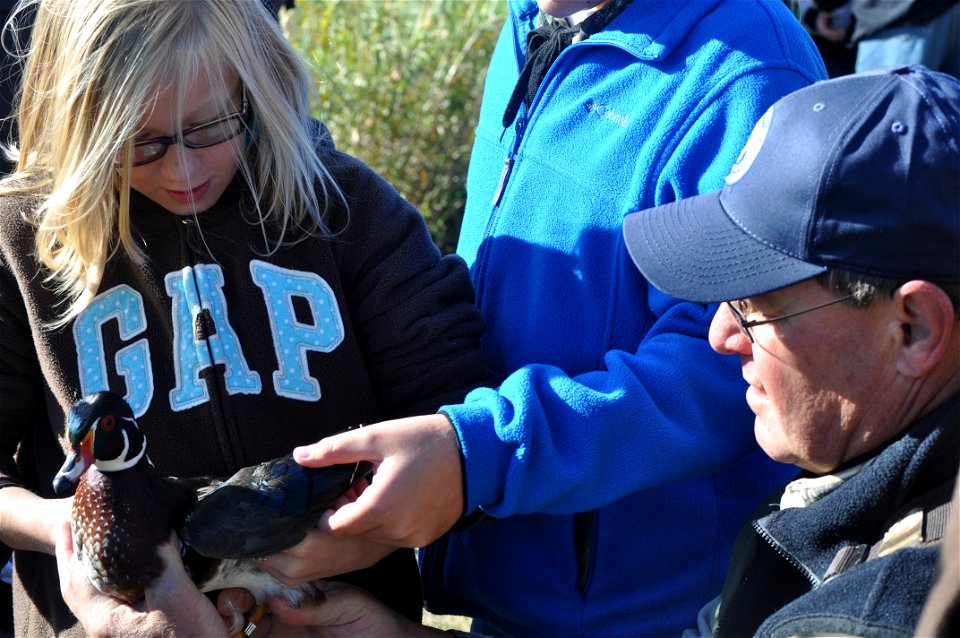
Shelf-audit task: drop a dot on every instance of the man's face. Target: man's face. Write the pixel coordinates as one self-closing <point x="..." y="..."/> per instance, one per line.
<point x="566" y="8"/>
<point x="818" y="382"/>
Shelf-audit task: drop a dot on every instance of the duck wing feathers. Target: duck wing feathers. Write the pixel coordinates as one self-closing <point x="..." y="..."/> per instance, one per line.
<point x="266" y="508"/>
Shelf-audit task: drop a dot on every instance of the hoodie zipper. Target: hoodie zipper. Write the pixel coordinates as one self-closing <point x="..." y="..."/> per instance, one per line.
<point x="204" y="328"/>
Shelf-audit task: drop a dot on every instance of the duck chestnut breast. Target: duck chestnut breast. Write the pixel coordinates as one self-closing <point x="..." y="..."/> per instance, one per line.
<point x="118" y="522"/>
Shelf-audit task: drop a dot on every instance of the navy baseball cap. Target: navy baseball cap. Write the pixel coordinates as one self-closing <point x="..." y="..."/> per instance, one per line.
<point x="860" y="173"/>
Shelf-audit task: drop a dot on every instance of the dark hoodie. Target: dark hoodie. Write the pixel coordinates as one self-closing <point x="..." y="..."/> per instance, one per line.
<point x="230" y="356"/>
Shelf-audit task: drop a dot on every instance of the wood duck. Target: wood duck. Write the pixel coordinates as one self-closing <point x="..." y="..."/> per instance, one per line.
<point x="123" y="509"/>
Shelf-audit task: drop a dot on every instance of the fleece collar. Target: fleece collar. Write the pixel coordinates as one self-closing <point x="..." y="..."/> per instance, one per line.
<point x="648" y="29"/>
<point x="920" y="460"/>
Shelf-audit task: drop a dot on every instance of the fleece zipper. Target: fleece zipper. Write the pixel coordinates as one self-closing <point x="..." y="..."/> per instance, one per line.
<point x="757" y="583"/>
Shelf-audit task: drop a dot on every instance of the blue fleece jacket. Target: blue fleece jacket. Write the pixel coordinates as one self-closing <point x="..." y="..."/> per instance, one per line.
<point x="619" y="444"/>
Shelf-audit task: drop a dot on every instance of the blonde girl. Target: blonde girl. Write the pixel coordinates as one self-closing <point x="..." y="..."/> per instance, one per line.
<point x="180" y="230"/>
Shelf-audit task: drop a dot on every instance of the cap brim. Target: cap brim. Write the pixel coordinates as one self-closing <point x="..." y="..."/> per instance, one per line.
<point x="691" y="249"/>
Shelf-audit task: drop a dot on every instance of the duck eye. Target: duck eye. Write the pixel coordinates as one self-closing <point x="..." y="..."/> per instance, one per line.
<point x="107" y="423"/>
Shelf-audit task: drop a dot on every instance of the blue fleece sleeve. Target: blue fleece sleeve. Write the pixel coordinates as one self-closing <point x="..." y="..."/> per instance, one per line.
<point x="548" y="442"/>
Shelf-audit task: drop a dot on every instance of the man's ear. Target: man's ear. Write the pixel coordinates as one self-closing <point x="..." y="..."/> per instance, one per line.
<point x="927" y="323"/>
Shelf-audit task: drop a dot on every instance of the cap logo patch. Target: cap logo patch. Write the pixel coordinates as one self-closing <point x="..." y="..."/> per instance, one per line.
<point x="751" y="149"/>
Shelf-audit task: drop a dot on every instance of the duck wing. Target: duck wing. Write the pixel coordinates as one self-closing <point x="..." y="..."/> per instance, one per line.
<point x="266" y="508"/>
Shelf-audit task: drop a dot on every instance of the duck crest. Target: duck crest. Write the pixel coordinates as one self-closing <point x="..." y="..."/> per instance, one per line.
<point x="123" y="509"/>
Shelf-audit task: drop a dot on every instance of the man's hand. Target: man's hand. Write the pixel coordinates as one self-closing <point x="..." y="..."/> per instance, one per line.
<point x="339" y="610"/>
<point x="172" y="605"/>
<point x="343" y="610"/>
<point x="416" y="493"/>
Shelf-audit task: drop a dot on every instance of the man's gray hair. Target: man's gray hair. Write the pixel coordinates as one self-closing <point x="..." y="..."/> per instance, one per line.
<point x="863" y="289"/>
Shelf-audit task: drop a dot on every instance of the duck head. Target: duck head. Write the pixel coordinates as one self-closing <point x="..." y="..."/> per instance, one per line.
<point x="101" y="431"/>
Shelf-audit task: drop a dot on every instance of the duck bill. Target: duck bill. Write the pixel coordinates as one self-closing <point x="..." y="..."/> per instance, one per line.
<point x="77" y="462"/>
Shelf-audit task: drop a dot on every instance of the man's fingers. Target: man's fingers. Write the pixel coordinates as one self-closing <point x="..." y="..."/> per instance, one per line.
<point x="306" y="614"/>
<point x="342" y="610"/>
<point x="353" y="520"/>
<point x="234" y="599"/>
<point x="334" y="605"/>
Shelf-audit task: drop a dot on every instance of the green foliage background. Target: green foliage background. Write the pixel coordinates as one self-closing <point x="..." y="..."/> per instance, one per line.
<point x="399" y="85"/>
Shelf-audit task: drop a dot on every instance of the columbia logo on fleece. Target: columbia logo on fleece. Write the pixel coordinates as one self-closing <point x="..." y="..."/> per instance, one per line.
<point x="608" y="113"/>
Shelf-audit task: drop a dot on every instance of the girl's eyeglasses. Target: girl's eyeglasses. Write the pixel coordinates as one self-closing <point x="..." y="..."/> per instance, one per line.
<point x="203" y="135"/>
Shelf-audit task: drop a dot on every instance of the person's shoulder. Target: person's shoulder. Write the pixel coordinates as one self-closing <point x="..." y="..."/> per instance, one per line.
<point x="337" y="162"/>
<point x="771" y="11"/>
<point x="727" y="37"/>
<point x="350" y="173"/>
<point x="17" y="232"/>
<point x="523" y="9"/>
<point x="719" y="38"/>
<point x="14" y="211"/>
<point x="725" y="21"/>
<point x="783" y="29"/>
<point x="361" y="186"/>
<point x="896" y="585"/>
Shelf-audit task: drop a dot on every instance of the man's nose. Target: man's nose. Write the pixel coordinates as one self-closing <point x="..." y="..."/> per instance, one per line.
<point x="726" y="335"/>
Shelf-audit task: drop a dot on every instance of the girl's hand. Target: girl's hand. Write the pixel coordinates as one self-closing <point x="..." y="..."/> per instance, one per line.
<point x="172" y="604"/>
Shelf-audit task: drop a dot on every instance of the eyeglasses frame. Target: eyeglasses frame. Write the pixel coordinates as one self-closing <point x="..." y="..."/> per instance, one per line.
<point x="745" y="326"/>
<point x="179" y="138"/>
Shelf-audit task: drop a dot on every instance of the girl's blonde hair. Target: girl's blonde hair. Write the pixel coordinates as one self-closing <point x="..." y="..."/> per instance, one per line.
<point x="94" y="69"/>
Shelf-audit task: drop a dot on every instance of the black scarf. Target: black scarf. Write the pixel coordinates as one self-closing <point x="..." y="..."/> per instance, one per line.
<point x="544" y="45"/>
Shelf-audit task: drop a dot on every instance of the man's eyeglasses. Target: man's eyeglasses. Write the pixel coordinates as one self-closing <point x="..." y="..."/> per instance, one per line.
<point x="203" y="135"/>
<point x="739" y="307"/>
